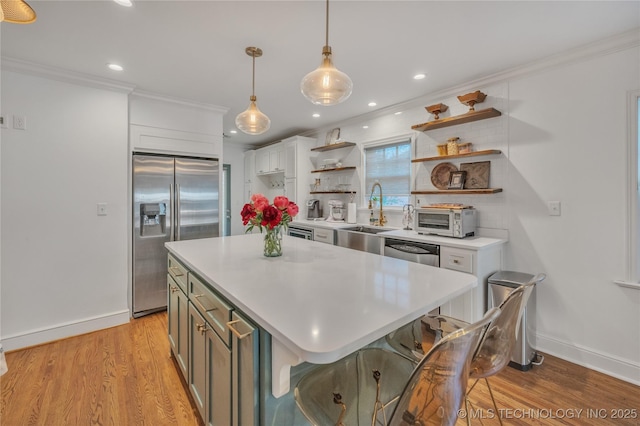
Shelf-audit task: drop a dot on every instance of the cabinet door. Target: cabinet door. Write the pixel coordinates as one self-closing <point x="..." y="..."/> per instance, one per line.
<point x="290" y="190"/>
<point x="245" y="371"/>
<point x="197" y="359"/>
<point x="290" y="165"/>
<point x="249" y="166"/>
<point x="219" y="381"/>
<point x="281" y="159"/>
<point x="462" y="306"/>
<point x="178" y="318"/>
<point x="262" y="161"/>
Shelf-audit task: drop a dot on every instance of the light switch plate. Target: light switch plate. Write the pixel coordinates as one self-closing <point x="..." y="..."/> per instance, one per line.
<point x="102" y="209"/>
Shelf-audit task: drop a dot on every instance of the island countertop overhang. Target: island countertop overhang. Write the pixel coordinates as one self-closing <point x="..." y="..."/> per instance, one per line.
<point x="321" y="302"/>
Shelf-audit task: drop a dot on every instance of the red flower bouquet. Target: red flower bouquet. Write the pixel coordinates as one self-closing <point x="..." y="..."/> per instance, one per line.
<point x="272" y="217"/>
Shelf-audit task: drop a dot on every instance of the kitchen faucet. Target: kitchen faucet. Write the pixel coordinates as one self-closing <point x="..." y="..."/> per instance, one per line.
<point x="381" y="219"/>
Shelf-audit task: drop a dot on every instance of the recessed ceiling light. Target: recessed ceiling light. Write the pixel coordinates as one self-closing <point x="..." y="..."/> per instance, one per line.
<point x="419" y="76"/>
<point x="126" y="3"/>
<point x="365" y="127"/>
<point x="398" y="113"/>
<point x="233" y="131"/>
<point x="316" y="115"/>
<point x="372" y="104"/>
<point x="115" y="67"/>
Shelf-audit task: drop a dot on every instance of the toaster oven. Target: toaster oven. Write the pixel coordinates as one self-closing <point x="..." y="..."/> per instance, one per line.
<point x="447" y="222"/>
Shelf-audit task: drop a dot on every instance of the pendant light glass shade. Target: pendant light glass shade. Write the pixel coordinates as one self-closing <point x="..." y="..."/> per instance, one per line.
<point x="253" y="121"/>
<point x="327" y="85"/>
<point x="16" y="12"/>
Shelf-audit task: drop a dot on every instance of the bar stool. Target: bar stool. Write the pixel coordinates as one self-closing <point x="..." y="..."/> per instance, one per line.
<point x="379" y="387"/>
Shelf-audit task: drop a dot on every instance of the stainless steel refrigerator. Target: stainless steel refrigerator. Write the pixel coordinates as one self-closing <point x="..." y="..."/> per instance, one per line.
<point x="174" y="198"/>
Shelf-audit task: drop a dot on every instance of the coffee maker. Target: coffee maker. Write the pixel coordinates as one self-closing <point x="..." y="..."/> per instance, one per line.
<point x="314" y="209"/>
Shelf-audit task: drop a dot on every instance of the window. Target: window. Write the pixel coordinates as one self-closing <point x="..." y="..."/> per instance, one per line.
<point x="389" y="164"/>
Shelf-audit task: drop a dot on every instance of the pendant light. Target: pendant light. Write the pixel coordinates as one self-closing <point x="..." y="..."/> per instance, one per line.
<point x="326" y="85"/>
<point x="16" y="12"/>
<point x="252" y="121"/>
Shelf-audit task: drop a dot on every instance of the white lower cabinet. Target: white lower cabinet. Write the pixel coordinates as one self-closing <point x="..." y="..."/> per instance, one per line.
<point x="324" y="235"/>
<point x="217" y="350"/>
<point x="472" y="305"/>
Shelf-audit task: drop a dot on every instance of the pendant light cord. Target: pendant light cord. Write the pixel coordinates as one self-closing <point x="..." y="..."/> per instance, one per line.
<point x="327" y="26"/>
<point x="253" y="76"/>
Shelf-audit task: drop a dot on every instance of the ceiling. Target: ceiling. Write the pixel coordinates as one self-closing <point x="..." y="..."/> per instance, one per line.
<point x="195" y="50"/>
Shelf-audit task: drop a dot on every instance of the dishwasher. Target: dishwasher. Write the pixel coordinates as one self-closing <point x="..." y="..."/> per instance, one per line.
<point x="412" y="251"/>
<point x="424" y="253"/>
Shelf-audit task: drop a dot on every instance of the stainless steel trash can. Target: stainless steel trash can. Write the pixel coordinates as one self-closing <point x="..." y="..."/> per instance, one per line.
<point x="499" y="286"/>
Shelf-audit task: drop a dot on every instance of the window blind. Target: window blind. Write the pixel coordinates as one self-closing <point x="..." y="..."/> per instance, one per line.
<point x="390" y="165"/>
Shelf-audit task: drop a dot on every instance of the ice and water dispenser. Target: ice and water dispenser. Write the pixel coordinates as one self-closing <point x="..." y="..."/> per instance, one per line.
<point x="152" y="219"/>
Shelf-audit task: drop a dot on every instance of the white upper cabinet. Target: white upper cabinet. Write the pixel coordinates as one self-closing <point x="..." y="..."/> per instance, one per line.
<point x="270" y="159"/>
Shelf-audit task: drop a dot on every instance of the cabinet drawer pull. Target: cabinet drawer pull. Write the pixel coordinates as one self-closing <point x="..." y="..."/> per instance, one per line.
<point x="176" y="271"/>
<point x="195" y="299"/>
<point x="236" y="332"/>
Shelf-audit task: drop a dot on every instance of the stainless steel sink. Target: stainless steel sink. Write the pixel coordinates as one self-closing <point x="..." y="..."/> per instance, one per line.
<point x="361" y="238"/>
<point x="365" y="229"/>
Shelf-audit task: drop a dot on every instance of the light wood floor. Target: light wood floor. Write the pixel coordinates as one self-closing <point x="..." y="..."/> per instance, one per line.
<point x="125" y="376"/>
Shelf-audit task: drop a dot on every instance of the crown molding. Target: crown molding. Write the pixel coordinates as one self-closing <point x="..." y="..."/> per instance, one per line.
<point x="607" y="46"/>
<point x="179" y="101"/>
<point x="66" y="76"/>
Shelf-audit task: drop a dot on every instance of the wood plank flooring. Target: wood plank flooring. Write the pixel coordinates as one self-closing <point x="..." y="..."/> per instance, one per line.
<point x="125" y="376"/>
<point x="120" y="376"/>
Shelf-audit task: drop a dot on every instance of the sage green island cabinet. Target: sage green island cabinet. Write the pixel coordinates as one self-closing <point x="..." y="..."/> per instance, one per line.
<point x="178" y="314"/>
<point x="216" y="349"/>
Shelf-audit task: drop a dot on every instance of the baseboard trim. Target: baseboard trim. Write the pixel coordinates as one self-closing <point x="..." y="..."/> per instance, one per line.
<point x="64" y="330"/>
<point x="626" y="370"/>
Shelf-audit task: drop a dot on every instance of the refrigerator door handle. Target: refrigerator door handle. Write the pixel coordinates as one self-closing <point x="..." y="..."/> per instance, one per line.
<point x="177" y="216"/>
<point x="171" y="212"/>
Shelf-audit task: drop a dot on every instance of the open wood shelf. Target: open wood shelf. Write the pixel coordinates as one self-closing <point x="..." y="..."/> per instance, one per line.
<point x="332" y="192"/>
<point x="334" y="169"/>
<point x="458" y="191"/>
<point x="458" y="119"/>
<point x="333" y="146"/>
<point x="468" y="154"/>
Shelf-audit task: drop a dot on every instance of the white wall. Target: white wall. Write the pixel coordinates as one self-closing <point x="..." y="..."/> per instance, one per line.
<point x="568" y="142"/>
<point x="64" y="269"/>
<point x="234" y="156"/>
<point x="564" y="138"/>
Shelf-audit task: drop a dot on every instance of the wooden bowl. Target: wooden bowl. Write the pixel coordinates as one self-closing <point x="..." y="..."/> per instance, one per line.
<point x="471" y="99"/>
<point x="436" y="110"/>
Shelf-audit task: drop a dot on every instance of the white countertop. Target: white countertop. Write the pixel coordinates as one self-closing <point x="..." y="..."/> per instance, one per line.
<point x="321" y="302"/>
<point x="473" y="243"/>
<point x="323" y="223"/>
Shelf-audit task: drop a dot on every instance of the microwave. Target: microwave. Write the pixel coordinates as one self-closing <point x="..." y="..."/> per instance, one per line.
<point x="447" y="222"/>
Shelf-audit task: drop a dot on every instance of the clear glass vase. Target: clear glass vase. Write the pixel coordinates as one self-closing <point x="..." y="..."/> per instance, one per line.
<point x="273" y="242"/>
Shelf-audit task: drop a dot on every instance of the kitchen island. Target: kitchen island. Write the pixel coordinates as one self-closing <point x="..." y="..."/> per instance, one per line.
<point x="317" y="302"/>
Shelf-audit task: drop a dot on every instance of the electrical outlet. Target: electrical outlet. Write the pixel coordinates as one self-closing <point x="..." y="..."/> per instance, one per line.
<point x="554" y="208"/>
<point x="20" y="122"/>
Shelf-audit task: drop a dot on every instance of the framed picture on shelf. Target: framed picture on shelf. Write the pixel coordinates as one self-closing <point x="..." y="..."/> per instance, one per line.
<point x="456" y="180"/>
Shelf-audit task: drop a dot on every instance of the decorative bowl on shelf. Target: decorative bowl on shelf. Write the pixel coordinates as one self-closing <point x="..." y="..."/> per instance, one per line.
<point x="330" y="163"/>
<point x="470" y="99"/>
<point x="436" y="110"/>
